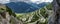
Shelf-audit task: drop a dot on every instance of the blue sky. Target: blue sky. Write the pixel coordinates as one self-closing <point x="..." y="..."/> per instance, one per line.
<point x="33" y="1"/>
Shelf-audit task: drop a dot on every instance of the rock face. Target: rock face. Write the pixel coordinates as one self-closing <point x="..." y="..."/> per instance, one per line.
<point x="5" y="17"/>
<point x="2" y="10"/>
<point x="4" y="14"/>
<point x="55" y="19"/>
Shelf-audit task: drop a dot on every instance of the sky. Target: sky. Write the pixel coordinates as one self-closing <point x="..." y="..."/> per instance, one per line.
<point x="33" y="1"/>
<point x="4" y="1"/>
<point x="40" y="1"/>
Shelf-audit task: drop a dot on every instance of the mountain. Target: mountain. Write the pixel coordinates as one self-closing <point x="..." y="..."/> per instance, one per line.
<point x="42" y="4"/>
<point x="2" y="6"/>
<point x="22" y="7"/>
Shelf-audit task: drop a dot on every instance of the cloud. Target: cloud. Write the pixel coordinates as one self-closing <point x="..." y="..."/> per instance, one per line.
<point x="33" y="1"/>
<point x="18" y="0"/>
<point x="40" y="1"/>
<point x="48" y="0"/>
<point x="8" y="1"/>
<point x="4" y="1"/>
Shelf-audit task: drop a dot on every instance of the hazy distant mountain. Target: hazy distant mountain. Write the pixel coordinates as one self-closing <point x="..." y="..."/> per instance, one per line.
<point x="2" y="6"/>
<point x="22" y="7"/>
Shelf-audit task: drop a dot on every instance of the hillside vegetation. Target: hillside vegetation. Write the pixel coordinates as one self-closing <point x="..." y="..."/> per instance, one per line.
<point x="36" y="17"/>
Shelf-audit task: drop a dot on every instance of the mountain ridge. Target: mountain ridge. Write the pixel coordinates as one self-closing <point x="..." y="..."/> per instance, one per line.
<point x="22" y="7"/>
